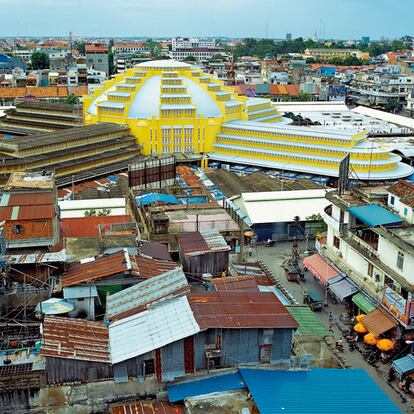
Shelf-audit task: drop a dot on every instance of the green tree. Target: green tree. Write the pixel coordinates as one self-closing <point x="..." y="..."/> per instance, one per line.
<point x="392" y="105"/>
<point x="303" y="97"/>
<point x="80" y="47"/>
<point x="40" y="60"/>
<point x="191" y="58"/>
<point x="71" y="99"/>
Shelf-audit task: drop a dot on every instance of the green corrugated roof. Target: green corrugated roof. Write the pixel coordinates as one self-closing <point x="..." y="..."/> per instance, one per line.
<point x="309" y="323"/>
<point x="363" y="303"/>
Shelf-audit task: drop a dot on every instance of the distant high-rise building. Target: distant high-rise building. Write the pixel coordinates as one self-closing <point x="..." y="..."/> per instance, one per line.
<point x="288" y="36"/>
<point x="365" y="39"/>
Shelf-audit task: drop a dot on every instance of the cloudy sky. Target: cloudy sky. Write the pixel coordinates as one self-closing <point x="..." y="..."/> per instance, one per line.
<point x="235" y="18"/>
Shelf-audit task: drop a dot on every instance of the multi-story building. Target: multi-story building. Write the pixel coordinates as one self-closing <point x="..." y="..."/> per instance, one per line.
<point x="23" y="55"/>
<point x="128" y="47"/>
<point x="329" y="53"/>
<point x="410" y="103"/>
<point x="370" y="238"/>
<point x="97" y="57"/>
<point x="380" y="89"/>
<point x="8" y="64"/>
<point x="183" y="48"/>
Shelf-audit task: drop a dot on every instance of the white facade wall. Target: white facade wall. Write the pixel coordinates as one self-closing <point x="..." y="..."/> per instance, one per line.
<point x="403" y="210"/>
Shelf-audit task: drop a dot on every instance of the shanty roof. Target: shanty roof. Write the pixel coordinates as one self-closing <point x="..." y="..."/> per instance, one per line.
<point x="26" y="199"/>
<point x="136" y="298"/>
<point x="235" y="283"/>
<point x="11" y="213"/>
<point x="149" y="267"/>
<point x="89" y="226"/>
<point x="155" y="250"/>
<point x="195" y="243"/>
<point x="240" y="310"/>
<point x="99" y="267"/>
<point x="75" y="339"/>
<point x="146" y="407"/>
<point x="309" y="323"/>
<point x="404" y="190"/>
<point x="151" y="329"/>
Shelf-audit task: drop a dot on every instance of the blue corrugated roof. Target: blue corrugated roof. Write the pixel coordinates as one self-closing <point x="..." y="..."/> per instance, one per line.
<point x="404" y="365"/>
<point x="151" y="198"/>
<point x="218" y="383"/>
<point x="318" y="391"/>
<point x="374" y="215"/>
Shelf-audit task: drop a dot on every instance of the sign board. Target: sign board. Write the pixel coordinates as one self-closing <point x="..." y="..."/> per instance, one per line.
<point x="343" y="179"/>
<point x="396" y="304"/>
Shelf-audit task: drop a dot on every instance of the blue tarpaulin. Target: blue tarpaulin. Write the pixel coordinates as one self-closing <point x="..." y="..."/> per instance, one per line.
<point x="374" y="215"/>
<point x="404" y="365"/>
<point x="151" y="198"/>
<point x="318" y="391"/>
<point x="217" y="383"/>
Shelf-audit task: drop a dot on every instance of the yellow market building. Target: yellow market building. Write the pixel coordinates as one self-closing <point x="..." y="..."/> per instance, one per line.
<point x="173" y="107"/>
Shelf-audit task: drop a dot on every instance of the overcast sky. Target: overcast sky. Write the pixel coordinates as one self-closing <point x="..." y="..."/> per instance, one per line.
<point x="343" y="19"/>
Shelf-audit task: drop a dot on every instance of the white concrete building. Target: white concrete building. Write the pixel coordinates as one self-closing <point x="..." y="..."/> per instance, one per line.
<point x="374" y="246"/>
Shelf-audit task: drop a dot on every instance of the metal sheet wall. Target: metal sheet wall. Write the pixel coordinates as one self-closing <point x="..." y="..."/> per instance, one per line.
<point x="213" y="263"/>
<point x="172" y="361"/>
<point x="61" y="370"/>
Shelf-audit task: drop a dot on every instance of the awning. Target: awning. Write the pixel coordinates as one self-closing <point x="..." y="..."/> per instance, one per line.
<point x="404" y="365"/>
<point x="374" y="215"/>
<point x="320" y="268"/>
<point x="378" y="322"/>
<point x="363" y="303"/>
<point x="342" y="288"/>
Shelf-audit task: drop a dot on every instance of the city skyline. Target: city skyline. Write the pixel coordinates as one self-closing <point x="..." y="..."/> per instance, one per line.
<point x="160" y="18"/>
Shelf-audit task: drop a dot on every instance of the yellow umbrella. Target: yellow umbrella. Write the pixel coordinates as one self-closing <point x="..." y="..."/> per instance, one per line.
<point x="360" y="328"/>
<point x="249" y="233"/>
<point x="359" y="317"/>
<point x="370" y="339"/>
<point x="385" y="345"/>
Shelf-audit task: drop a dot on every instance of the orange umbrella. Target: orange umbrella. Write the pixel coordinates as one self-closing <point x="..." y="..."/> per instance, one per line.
<point x="370" y="339"/>
<point x="360" y="328"/>
<point x="385" y="345"/>
<point x="359" y="317"/>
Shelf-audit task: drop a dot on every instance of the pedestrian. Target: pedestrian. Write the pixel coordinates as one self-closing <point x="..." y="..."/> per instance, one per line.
<point x="250" y="251"/>
<point x="330" y="322"/>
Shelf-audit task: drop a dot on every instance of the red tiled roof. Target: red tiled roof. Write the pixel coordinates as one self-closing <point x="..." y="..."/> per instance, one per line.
<point x="43" y="91"/>
<point x="75" y="339"/>
<point x="89" y="226"/>
<point x="27" y="212"/>
<point x="404" y="190"/>
<point x="146" y="407"/>
<point x="102" y="266"/>
<point x="95" y="49"/>
<point x="240" y="310"/>
<point x="291" y="90"/>
<point x="236" y="283"/>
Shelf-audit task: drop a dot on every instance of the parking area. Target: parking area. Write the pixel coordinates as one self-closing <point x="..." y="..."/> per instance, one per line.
<point x="274" y="257"/>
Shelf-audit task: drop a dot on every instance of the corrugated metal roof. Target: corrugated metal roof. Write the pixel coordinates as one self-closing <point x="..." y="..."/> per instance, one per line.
<point x="147" y="407"/>
<point x="234" y="283"/>
<point x="240" y="310"/>
<point x="27" y="212"/>
<point x="59" y="256"/>
<point x="136" y="298"/>
<point x="309" y="324"/>
<point x="149" y="267"/>
<point x="155" y="250"/>
<point x="151" y="329"/>
<point x="209" y="240"/>
<point x="75" y="339"/>
<point x="103" y="266"/>
<point x="318" y="391"/>
<point x="202" y="386"/>
<point x="378" y="321"/>
<point x="27" y="199"/>
<point x="404" y="365"/>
